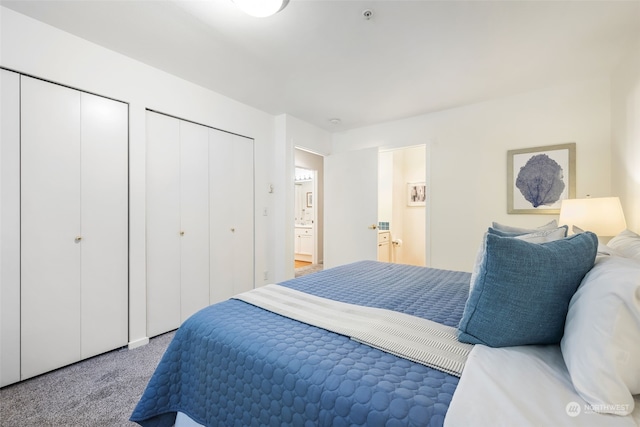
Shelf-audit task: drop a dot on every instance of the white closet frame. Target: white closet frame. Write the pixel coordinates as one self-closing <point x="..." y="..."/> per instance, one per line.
<point x="64" y="263"/>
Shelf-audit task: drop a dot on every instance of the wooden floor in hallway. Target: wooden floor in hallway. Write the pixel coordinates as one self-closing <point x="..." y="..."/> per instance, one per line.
<point x="300" y="264"/>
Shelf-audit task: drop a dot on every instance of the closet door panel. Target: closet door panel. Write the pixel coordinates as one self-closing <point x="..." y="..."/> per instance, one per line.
<point x="242" y="199"/>
<point x="9" y="228"/>
<point x="50" y="207"/>
<point x="194" y="217"/>
<point x="163" y="224"/>
<point x="222" y="211"/>
<point x="104" y="195"/>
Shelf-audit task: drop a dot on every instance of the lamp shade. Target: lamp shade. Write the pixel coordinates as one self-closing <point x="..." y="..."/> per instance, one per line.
<point x="261" y="8"/>
<point x="602" y="216"/>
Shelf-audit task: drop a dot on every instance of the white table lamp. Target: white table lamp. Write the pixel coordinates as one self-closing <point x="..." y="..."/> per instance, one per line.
<point x="602" y="216"/>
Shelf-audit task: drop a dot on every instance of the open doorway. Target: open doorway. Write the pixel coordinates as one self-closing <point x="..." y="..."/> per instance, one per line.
<point x="402" y="205"/>
<point x="308" y="212"/>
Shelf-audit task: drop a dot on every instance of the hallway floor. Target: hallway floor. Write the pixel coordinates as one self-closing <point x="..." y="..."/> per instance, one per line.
<point x="306" y="268"/>
<point x="300" y="264"/>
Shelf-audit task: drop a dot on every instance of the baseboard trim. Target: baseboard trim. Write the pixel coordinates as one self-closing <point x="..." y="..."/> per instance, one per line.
<point x="138" y="343"/>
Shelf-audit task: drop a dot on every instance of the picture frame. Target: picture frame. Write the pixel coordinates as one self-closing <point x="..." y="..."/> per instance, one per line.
<point x="309" y="199"/>
<point x="416" y="194"/>
<point x="539" y="178"/>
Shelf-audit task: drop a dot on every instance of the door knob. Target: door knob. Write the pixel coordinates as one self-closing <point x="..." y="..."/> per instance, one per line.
<point x="78" y="239"/>
<point x="182" y="233"/>
<point x="373" y="227"/>
<point x="233" y="230"/>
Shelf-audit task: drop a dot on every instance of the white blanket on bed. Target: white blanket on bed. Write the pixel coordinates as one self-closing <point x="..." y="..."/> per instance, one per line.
<point x="413" y="338"/>
<point x="523" y="386"/>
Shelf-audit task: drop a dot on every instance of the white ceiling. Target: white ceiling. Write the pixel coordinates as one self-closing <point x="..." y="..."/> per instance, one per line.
<point x="319" y="60"/>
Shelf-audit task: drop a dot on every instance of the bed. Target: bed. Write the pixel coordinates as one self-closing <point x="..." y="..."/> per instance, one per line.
<point x="234" y="363"/>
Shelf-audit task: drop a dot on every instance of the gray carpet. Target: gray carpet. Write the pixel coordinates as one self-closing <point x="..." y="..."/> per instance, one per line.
<point x="98" y="392"/>
<point x="101" y="391"/>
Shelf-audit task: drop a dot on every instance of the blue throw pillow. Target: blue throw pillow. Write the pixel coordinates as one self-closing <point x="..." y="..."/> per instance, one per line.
<point x="522" y="292"/>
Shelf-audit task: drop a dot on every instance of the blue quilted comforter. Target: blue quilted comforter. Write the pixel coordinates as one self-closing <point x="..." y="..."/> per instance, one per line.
<point x="233" y="364"/>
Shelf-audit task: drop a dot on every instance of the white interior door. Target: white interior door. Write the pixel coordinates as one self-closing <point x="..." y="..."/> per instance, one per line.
<point x="350" y="207"/>
<point x="163" y="223"/>
<point x="50" y="223"/>
<point x="104" y="226"/>
<point x="194" y="218"/>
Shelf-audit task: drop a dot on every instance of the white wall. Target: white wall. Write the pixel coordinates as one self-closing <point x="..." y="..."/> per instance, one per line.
<point x="31" y="47"/>
<point x="468" y="147"/>
<point x="625" y="133"/>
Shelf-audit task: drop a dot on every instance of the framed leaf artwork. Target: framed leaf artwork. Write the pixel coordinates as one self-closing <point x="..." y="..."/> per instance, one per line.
<point x="539" y="178"/>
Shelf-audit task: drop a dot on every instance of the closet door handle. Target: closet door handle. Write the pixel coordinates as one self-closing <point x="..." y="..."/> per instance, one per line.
<point x="182" y="233"/>
<point x="233" y="230"/>
<point x="78" y="239"/>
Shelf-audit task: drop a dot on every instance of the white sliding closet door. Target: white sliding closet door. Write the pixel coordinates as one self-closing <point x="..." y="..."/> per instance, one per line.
<point x="74" y="226"/>
<point x="177" y="221"/>
<point x="104" y="195"/>
<point x="243" y="202"/>
<point x="232" y="212"/>
<point x="50" y="206"/>
<point x="9" y="228"/>
<point x="200" y="225"/>
<point x="222" y="215"/>
<point x="194" y="218"/>
<point x="163" y="223"/>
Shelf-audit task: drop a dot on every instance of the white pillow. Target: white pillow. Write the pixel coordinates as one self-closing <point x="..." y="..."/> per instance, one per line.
<point x="601" y="342"/>
<point x="604" y="250"/>
<point x="543" y="236"/>
<point x="627" y="244"/>
<point x="550" y="225"/>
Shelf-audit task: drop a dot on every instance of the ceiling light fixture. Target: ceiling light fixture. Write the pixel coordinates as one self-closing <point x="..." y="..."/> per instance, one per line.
<point x="261" y="8"/>
<point x="335" y="121"/>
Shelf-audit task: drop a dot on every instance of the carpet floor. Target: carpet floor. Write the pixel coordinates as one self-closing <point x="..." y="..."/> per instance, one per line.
<point x="97" y="392"/>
